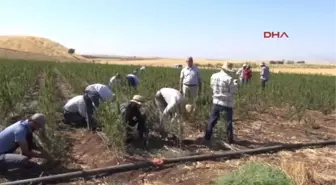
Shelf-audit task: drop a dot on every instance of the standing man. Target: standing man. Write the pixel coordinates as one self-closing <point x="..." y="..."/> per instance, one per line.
<point x="240" y="72"/>
<point x="247" y="74"/>
<point x="20" y="135"/>
<point x="224" y="87"/>
<point x="190" y="80"/>
<point x="131" y="116"/>
<point x="264" y="75"/>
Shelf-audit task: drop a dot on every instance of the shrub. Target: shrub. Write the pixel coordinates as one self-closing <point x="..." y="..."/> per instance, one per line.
<point x="71" y="51"/>
<point x="255" y="174"/>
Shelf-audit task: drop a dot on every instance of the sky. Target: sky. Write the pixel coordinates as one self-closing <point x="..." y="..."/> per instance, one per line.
<point x="217" y="29"/>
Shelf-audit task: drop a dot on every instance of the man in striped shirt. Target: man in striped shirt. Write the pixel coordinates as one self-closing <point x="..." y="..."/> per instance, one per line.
<point x="224" y="87"/>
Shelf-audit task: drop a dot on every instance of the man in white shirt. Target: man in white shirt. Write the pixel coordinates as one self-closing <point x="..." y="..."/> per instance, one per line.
<point x="171" y="103"/>
<point x="115" y="80"/>
<point x="190" y="80"/>
<point x="142" y="69"/>
<point x="79" y="111"/>
<point x="240" y="72"/>
<point x="224" y="87"/>
<point x="102" y="91"/>
<point x="133" y="80"/>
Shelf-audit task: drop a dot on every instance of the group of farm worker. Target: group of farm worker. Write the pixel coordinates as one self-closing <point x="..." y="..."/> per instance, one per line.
<point x="245" y="74"/>
<point x="170" y="102"/>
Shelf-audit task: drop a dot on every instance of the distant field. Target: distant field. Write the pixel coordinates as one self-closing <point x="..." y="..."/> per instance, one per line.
<point x="326" y="69"/>
<point x="43" y="49"/>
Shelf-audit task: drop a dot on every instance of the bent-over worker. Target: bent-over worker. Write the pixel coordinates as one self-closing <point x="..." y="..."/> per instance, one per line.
<point x="79" y="110"/>
<point x="115" y="80"/>
<point x="170" y="103"/>
<point x="132" y="80"/>
<point x="98" y="92"/>
<point x="131" y="116"/>
<point x="20" y="135"/>
<point x="190" y="80"/>
<point x="142" y="69"/>
<point x="224" y="87"/>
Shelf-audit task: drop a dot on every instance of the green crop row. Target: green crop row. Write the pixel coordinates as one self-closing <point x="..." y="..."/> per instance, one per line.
<point x="295" y="92"/>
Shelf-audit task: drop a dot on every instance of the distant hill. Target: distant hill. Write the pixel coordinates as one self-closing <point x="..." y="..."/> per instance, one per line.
<point x="118" y="57"/>
<point x="30" y="47"/>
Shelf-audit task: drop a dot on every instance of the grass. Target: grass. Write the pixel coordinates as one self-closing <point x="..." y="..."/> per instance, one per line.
<point x="255" y="174"/>
<point x="295" y="93"/>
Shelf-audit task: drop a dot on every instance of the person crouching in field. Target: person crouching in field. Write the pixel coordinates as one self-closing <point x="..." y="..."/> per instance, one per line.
<point x="115" y="80"/>
<point x="190" y="80"/>
<point x="133" y="80"/>
<point x="142" y="69"/>
<point x="132" y="117"/>
<point x="79" y="109"/>
<point x="224" y="87"/>
<point x="20" y="135"/>
<point x="97" y="92"/>
<point x="171" y="103"/>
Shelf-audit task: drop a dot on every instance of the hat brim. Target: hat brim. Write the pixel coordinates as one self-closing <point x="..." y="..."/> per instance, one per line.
<point x="137" y="102"/>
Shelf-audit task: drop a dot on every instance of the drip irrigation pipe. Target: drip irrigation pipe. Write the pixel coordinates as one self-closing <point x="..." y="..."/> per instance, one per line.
<point x="149" y="163"/>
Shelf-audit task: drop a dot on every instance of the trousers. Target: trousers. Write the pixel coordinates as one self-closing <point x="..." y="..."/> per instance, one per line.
<point x="215" y="115"/>
<point x="14" y="161"/>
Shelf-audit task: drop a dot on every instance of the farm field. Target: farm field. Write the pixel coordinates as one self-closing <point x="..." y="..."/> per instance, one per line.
<point x="294" y="108"/>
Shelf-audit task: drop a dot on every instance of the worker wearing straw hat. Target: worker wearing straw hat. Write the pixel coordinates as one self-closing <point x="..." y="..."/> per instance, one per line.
<point x="130" y="110"/>
<point x="224" y="87"/>
<point x="20" y="135"/>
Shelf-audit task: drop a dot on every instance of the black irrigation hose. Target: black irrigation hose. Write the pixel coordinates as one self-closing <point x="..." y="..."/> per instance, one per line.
<point x="148" y="163"/>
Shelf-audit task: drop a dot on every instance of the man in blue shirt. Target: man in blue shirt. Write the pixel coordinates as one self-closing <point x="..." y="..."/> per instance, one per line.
<point x="133" y="80"/>
<point x="20" y="135"/>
